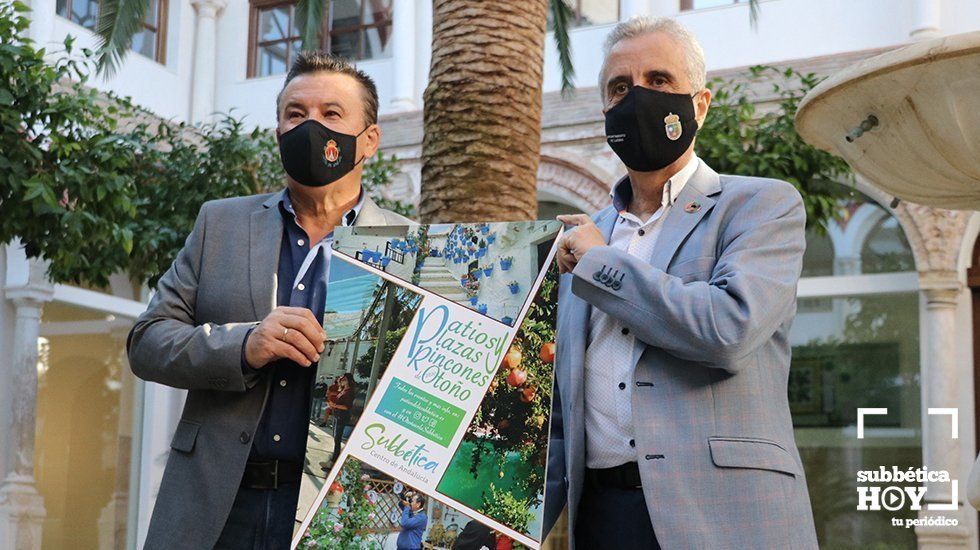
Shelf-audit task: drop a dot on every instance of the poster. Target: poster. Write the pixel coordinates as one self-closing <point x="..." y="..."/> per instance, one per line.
<point x="431" y="402"/>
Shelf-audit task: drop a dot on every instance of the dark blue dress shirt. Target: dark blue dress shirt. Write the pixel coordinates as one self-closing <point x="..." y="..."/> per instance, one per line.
<point x="302" y="274"/>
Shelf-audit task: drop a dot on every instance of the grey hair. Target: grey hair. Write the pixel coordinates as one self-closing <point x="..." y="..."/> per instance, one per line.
<point x="639" y="25"/>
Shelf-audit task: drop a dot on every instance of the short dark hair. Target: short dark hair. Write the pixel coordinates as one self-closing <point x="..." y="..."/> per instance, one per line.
<point x="314" y="61"/>
<point x="420" y="499"/>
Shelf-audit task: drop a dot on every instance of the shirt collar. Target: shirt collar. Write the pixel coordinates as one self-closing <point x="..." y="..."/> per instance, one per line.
<point x="346" y="220"/>
<point x="622" y="191"/>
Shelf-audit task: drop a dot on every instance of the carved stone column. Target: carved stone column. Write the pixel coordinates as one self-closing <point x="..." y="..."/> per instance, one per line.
<point x="935" y="236"/>
<point x="926" y="19"/>
<point x="940" y="390"/>
<point x="113" y="520"/>
<point x="21" y="506"/>
<point x="205" y="58"/>
<point x="42" y="21"/>
<point x="403" y="49"/>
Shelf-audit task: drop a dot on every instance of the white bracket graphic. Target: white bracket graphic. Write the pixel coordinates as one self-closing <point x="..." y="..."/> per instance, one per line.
<point x="953" y="500"/>
<point x="864" y="411"/>
<point x="954" y="413"/>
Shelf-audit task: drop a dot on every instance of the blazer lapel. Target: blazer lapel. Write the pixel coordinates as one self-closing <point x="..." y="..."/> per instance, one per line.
<point x="577" y="320"/>
<point x="606" y="221"/>
<point x="680" y="221"/>
<point x="265" y="234"/>
<point x="693" y="202"/>
<point x="265" y="243"/>
<point x="580" y="312"/>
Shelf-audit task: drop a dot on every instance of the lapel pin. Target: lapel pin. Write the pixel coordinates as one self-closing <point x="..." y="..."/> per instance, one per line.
<point x="692" y="207"/>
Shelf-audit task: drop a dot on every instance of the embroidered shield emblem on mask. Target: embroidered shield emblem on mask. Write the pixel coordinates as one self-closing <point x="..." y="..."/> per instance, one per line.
<point x="672" y="123"/>
<point x="331" y="153"/>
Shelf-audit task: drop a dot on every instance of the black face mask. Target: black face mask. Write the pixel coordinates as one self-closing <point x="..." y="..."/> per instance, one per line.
<point x="649" y="130"/>
<point x="315" y="155"/>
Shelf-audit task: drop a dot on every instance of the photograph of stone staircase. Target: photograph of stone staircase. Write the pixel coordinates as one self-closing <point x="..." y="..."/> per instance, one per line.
<point x="436" y="277"/>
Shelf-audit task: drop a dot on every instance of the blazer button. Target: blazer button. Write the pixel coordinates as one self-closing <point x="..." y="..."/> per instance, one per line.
<point x="632" y="443"/>
<point x="244" y="437"/>
<point x="622" y="385"/>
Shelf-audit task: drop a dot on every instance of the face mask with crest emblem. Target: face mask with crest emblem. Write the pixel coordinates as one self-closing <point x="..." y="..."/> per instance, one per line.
<point x="315" y="155"/>
<point x="649" y="129"/>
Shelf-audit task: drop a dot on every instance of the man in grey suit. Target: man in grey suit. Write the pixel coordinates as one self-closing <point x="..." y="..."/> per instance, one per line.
<point x="671" y="425"/>
<point x="236" y="320"/>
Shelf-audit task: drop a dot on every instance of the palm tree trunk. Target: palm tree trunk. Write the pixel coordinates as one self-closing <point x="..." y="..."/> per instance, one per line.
<point x="482" y="114"/>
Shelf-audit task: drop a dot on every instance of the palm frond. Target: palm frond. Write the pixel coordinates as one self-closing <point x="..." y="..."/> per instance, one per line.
<point x="561" y="14"/>
<point x="118" y="23"/>
<point x="754" y="14"/>
<point x="310" y="14"/>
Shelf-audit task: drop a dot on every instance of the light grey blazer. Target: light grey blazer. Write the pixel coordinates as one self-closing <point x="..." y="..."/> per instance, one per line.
<point x="222" y="283"/>
<point x="711" y="312"/>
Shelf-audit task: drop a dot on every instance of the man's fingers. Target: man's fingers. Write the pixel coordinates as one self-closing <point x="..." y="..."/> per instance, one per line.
<point x="286" y="350"/>
<point x="565" y="262"/>
<point x="565" y="244"/>
<point x="306" y="328"/>
<point x="575" y="219"/>
<point x="302" y="312"/>
<point x="299" y="341"/>
<point x="561" y="266"/>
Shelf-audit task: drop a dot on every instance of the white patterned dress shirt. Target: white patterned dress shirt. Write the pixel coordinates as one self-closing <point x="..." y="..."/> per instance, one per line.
<point x="609" y="352"/>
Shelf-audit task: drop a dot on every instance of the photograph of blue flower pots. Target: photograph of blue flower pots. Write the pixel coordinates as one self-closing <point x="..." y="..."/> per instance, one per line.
<point x="460" y="262"/>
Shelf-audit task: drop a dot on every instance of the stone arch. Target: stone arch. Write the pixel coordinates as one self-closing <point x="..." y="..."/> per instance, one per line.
<point x="565" y="182"/>
<point x="938" y="237"/>
<point x="859" y="227"/>
<point x="970" y="235"/>
<point x="904" y="218"/>
<point x="848" y="239"/>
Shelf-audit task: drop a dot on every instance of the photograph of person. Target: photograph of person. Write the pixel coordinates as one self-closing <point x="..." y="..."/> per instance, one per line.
<point x="366" y="317"/>
<point x="367" y="509"/>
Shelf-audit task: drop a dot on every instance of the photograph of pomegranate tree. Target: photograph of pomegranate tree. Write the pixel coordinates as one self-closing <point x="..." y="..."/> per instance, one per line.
<point x="499" y="469"/>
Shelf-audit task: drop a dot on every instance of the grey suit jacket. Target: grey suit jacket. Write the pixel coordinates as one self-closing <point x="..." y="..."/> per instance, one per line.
<point x="222" y="283"/>
<point x="711" y="311"/>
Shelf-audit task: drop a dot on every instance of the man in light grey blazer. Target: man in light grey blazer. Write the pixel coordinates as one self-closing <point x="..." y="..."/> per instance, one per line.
<point x="236" y="320"/>
<point x="671" y="425"/>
